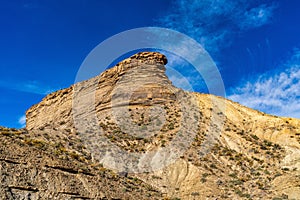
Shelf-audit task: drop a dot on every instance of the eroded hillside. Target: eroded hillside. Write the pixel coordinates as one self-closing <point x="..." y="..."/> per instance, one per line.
<point x="225" y="150"/>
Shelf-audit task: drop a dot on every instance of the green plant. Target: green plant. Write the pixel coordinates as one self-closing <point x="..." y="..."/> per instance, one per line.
<point x="237" y="182"/>
<point x="268" y="143"/>
<point x="213" y="166"/>
<point x="277" y="198"/>
<point x="74" y="155"/>
<point x="238" y="192"/>
<point x="35" y="142"/>
<point x="171" y="126"/>
<point x="158" y="122"/>
<point x="155" y="177"/>
<point x="254" y="137"/>
<point x="195" y="194"/>
<point x="203" y="180"/>
<point x="246" y="195"/>
<point x="233" y="175"/>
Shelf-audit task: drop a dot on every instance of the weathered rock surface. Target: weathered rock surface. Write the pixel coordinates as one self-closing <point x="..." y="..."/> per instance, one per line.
<point x="55" y="110"/>
<point x="32" y="168"/>
<point x="236" y="153"/>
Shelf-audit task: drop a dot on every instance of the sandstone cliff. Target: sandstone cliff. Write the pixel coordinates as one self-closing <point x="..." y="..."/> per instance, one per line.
<point x="233" y="153"/>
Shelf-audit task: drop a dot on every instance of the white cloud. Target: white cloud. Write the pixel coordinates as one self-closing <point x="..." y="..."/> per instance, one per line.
<point x="182" y="82"/>
<point x="29" y="86"/>
<point x="182" y="73"/>
<point x="22" y="121"/>
<point x="257" y="16"/>
<point x="35" y="87"/>
<point x="213" y="23"/>
<point x="190" y="81"/>
<point x="274" y="93"/>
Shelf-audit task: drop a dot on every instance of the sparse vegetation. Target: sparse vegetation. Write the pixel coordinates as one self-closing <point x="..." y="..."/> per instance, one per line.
<point x="237" y="164"/>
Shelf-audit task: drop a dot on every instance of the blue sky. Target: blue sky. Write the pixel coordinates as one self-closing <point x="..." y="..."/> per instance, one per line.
<point x="255" y="45"/>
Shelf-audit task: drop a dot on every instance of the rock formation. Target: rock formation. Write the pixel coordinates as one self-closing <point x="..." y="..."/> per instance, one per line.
<point x="225" y="150"/>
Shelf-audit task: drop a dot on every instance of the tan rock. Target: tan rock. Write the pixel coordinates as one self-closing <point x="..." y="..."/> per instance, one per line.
<point x="235" y="153"/>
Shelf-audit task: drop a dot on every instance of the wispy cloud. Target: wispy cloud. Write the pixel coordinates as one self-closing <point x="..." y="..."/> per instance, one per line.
<point x="274" y="93"/>
<point x="22" y="121"/>
<point x="213" y="23"/>
<point x="257" y="16"/>
<point x="182" y="74"/>
<point x="34" y="87"/>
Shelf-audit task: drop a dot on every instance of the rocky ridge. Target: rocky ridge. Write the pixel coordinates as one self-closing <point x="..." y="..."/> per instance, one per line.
<point x="251" y="156"/>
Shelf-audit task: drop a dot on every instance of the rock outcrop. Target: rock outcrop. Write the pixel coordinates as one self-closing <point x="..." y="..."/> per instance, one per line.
<point x="148" y="80"/>
<point x="233" y="153"/>
<point x="34" y="168"/>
